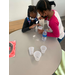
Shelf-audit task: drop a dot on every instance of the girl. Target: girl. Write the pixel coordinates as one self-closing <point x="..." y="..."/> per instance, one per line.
<point x="54" y="23"/>
<point x="30" y="21"/>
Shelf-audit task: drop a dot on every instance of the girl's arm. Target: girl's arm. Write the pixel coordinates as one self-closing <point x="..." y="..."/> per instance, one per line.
<point x="54" y="26"/>
<point x="25" y="26"/>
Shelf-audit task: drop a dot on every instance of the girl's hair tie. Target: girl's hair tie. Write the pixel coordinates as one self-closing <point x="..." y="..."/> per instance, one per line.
<point x="52" y="3"/>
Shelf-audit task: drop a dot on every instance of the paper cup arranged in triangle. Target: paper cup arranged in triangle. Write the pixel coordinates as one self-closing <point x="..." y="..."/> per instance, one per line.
<point x="37" y="55"/>
<point x="31" y="50"/>
<point x="43" y="48"/>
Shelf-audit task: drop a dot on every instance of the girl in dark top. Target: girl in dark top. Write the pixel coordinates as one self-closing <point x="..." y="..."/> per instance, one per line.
<point x="30" y="21"/>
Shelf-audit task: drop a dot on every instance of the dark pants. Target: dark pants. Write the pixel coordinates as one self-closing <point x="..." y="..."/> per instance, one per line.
<point x="60" y="39"/>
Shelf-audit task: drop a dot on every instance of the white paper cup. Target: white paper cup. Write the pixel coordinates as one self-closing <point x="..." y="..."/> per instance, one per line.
<point x="37" y="55"/>
<point x="43" y="48"/>
<point x="40" y="27"/>
<point x="31" y="50"/>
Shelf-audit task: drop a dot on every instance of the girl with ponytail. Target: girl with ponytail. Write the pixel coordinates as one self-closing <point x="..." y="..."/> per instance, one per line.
<point x="55" y="27"/>
<point x="30" y="20"/>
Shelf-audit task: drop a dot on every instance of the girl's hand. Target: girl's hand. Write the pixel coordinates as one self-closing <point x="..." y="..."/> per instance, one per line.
<point x="38" y="24"/>
<point x="40" y="31"/>
<point x="32" y="26"/>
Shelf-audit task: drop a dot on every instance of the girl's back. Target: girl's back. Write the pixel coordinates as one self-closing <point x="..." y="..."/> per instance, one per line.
<point x="61" y="28"/>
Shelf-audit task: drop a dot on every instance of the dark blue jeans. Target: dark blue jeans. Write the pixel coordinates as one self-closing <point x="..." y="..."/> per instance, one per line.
<point x="60" y="39"/>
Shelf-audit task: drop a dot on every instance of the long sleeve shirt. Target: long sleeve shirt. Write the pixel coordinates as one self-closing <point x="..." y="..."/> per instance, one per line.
<point x="26" y="25"/>
<point x="55" y="26"/>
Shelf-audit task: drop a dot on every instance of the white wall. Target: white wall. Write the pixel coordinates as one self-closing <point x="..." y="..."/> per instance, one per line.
<point x="18" y="9"/>
<point x="60" y="6"/>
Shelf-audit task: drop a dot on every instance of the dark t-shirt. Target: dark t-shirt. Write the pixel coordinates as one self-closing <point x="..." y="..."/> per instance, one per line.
<point x="26" y="25"/>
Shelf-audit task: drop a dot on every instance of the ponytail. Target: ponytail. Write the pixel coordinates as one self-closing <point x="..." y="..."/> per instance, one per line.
<point x="28" y="13"/>
<point x="52" y="3"/>
<point x="31" y="8"/>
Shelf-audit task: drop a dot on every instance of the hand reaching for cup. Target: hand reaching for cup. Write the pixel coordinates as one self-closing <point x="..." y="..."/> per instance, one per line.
<point x="38" y="24"/>
<point x="32" y="26"/>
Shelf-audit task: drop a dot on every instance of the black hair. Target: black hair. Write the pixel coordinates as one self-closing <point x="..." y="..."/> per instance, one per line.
<point x="44" y="5"/>
<point x="31" y="9"/>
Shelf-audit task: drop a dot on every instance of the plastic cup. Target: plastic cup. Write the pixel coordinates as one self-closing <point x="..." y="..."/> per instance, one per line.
<point x="31" y="50"/>
<point x="37" y="55"/>
<point x="43" y="49"/>
<point x="40" y="27"/>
